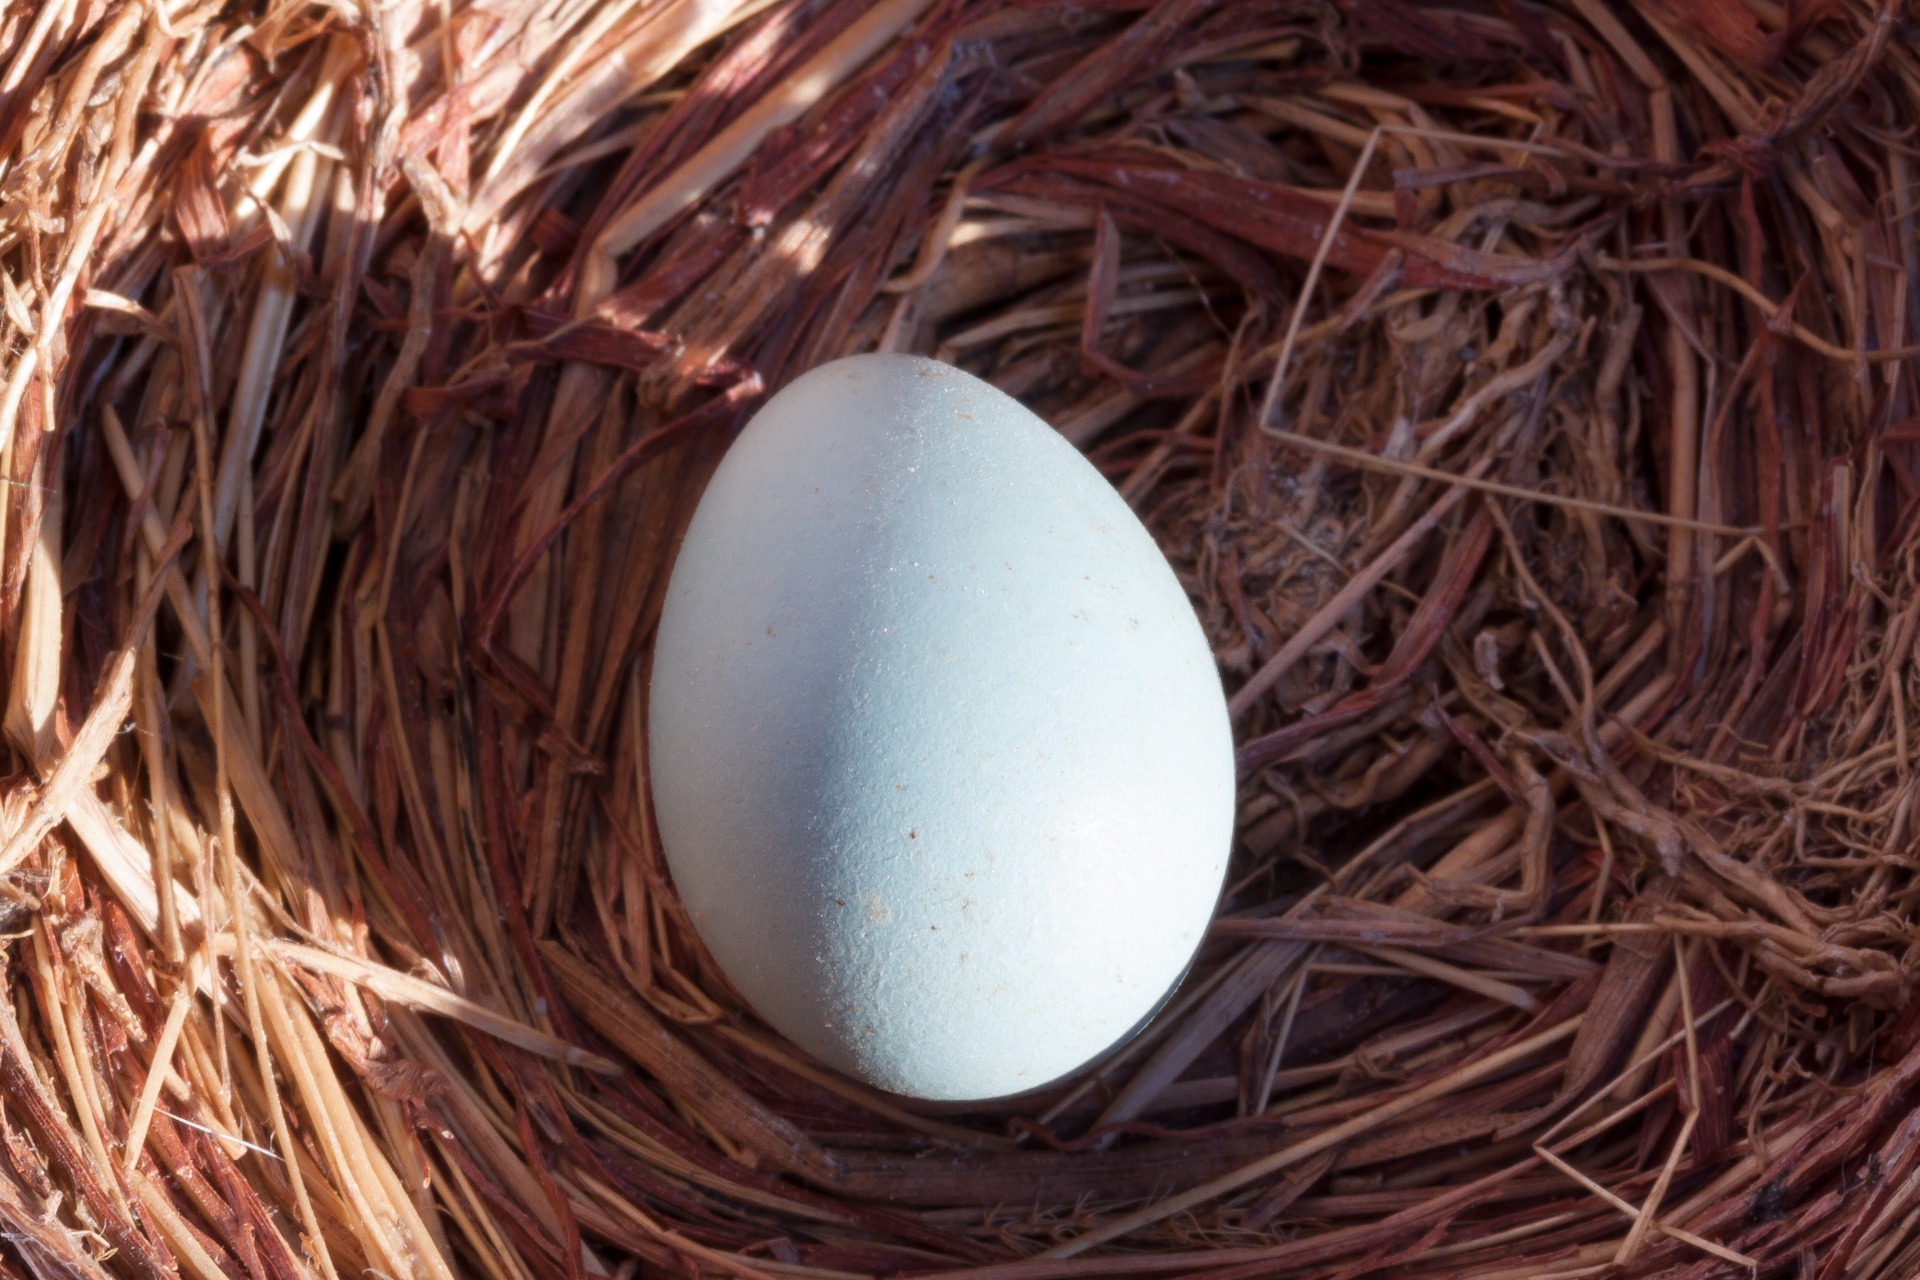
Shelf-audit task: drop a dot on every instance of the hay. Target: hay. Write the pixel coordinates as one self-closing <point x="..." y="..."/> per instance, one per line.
<point x="1524" y="391"/>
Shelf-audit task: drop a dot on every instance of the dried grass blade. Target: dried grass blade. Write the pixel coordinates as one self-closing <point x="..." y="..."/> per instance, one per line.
<point x="1377" y="1116"/>
<point x="416" y="993"/>
<point x="730" y="148"/>
<point x="639" y="1034"/>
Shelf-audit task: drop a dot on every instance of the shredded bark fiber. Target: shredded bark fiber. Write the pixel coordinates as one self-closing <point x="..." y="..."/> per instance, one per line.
<point x="1524" y="389"/>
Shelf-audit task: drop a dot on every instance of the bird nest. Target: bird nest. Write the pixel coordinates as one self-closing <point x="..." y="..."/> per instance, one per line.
<point x="1524" y="391"/>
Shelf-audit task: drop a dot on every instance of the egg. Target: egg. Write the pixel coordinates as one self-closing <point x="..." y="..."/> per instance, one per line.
<point x="939" y="755"/>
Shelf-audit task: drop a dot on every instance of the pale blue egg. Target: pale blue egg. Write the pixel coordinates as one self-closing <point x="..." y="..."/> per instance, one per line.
<point x="939" y="752"/>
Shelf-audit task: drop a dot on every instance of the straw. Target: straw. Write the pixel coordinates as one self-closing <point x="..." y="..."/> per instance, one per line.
<point x="1523" y="393"/>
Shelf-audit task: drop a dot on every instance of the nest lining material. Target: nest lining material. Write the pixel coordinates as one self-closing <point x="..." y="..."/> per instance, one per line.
<point x="1524" y="391"/>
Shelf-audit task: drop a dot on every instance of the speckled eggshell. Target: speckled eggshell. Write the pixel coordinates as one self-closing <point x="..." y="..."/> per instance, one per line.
<point x="939" y="753"/>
